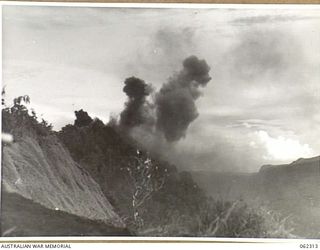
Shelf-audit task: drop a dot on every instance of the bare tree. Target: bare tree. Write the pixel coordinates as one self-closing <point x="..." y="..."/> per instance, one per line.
<point x="146" y="182"/>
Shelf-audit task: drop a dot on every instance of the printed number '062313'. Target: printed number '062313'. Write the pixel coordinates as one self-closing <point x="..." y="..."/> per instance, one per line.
<point x="308" y="246"/>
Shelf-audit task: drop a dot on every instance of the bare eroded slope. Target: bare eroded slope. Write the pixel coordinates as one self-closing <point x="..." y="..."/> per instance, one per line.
<point x="41" y="169"/>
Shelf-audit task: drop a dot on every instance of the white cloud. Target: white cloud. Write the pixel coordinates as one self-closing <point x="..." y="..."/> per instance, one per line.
<point x="283" y="149"/>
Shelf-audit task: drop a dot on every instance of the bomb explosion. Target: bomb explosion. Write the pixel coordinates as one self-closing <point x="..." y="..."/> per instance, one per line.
<point x="174" y="106"/>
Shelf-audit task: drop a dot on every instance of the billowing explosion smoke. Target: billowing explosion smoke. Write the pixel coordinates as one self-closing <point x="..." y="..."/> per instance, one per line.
<point x="175" y="102"/>
<point x="133" y="115"/>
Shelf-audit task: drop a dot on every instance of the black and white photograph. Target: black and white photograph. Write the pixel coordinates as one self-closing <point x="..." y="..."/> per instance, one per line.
<point x="160" y="121"/>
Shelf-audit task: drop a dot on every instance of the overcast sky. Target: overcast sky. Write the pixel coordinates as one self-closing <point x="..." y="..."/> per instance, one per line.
<point x="261" y="106"/>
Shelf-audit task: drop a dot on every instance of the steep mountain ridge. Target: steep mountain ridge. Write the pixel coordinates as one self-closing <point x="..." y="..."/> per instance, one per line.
<point x="48" y="175"/>
<point x="39" y="168"/>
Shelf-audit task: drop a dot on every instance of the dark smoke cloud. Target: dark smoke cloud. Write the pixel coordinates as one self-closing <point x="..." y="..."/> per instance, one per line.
<point x="175" y="102"/>
<point x="134" y="113"/>
<point x="174" y="105"/>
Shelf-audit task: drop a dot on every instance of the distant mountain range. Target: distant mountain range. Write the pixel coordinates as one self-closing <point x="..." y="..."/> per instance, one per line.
<point x="292" y="189"/>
